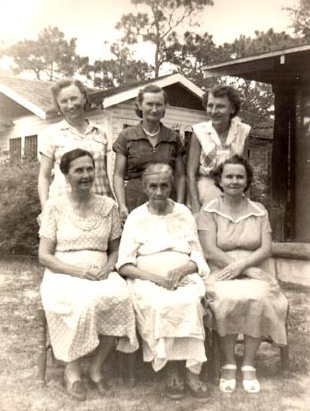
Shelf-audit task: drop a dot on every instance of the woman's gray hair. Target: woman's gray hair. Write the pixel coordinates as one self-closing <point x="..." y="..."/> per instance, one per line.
<point x="67" y="82"/>
<point x="157" y="168"/>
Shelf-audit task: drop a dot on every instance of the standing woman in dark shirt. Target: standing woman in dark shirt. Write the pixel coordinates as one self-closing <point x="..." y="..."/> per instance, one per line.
<point x="148" y="142"/>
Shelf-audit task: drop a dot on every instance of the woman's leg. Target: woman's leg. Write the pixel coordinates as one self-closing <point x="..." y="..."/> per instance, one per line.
<point x="72" y="371"/>
<point x="228" y="347"/>
<point x="105" y="346"/>
<point x="251" y="346"/>
<point x="250" y="383"/>
<point x="73" y="382"/>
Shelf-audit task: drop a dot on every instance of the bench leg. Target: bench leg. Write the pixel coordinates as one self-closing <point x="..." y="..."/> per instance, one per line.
<point x="42" y="351"/>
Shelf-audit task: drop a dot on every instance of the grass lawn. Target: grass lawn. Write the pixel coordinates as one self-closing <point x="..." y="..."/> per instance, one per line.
<point x="20" y="391"/>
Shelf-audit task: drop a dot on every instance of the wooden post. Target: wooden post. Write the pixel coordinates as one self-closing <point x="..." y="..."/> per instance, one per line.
<point x="280" y="159"/>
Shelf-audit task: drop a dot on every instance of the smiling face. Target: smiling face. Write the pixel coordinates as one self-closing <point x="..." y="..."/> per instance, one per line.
<point x="158" y="187"/>
<point x="71" y="102"/>
<point x="233" y="179"/>
<point x="153" y="107"/>
<point x="220" y="110"/>
<point x="81" y="174"/>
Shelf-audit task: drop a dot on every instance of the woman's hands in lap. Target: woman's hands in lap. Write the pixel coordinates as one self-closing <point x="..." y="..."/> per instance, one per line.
<point x="231" y="271"/>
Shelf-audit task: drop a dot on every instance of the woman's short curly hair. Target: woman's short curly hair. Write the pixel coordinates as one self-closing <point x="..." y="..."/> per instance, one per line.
<point x="72" y="155"/>
<point x="236" y="159"/>
<point x="224" y="91"/>
<point x="67" y="82"/>
<point x="152" y="88"/>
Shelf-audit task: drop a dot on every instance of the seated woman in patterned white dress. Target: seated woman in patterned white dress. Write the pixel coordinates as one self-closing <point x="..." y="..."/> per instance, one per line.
<point x="86" y="302"/>
<point x="244" y="297"/>
<point x="161" y="258"/>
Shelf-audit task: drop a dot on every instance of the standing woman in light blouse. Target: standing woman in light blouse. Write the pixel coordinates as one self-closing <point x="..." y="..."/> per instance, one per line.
<point x="213" y="142"/>
<point x="74" y="131"/>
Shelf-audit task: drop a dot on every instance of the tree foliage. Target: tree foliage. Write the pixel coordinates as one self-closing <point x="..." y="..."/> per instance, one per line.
<point x="301" y="19"/>
<point x="50" y="55"/>
<point x="19" y="208"/>
<point x="158" y="25"/>
<point x="119" y="70"/>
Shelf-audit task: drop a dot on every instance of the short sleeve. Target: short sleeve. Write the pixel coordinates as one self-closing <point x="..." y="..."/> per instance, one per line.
<point x="116" y="230"/>
<point x="120" y="144"/>
<point x="266" y="227"/>
<point x="46" y="145"/>
<point x="205" y="220"/>
<point x="128" y="250"/>
<point x="48" y="227"/>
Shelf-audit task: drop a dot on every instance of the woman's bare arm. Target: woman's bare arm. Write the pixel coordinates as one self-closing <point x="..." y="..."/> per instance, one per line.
<point x="118" y="184"/>
<point x="192" y="171"/>
<point x="44" y="180"/>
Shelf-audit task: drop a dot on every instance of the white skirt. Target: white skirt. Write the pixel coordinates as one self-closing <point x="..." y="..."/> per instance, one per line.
<point x="79" y="310"/>
<point x="170" y="322"/>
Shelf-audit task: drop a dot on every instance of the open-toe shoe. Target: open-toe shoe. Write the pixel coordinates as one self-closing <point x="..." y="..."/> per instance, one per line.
<point x="228" y="385"/>
<point x="251" y="386"/>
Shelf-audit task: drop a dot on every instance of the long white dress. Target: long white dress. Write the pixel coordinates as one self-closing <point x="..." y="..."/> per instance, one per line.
<point x="79" y="310"/>
<point x="169" y="322"/>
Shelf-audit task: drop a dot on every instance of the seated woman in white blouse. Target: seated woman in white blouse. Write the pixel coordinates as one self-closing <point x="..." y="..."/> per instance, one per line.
<point x="161" y="257"/>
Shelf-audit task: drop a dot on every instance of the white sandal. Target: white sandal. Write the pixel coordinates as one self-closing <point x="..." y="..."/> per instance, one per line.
<point x="228" y="386"/>
<point x="250" y="386"/>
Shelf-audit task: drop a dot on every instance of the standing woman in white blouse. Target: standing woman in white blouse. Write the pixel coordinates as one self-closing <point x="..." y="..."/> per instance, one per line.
<point x="213" y="142"/>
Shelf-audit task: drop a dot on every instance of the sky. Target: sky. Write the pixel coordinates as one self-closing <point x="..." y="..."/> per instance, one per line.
<point x="92" y="21"/>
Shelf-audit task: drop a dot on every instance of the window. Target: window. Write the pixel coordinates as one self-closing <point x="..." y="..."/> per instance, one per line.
<point x="15" y="148"/>
<point x="30" y="149"/>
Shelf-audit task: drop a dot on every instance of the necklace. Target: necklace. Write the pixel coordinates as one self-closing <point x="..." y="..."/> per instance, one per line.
<point x="151" y="134"/>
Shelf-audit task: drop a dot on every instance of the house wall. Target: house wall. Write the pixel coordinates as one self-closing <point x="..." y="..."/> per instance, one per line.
<point x="115" y="118"/>
<point x="23" y="126"/>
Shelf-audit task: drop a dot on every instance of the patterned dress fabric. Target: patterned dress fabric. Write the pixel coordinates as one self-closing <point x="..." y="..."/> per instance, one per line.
<point x="169" y="322"/>
<point x="253" y="306"/>
<point x="60" y="138"/>
<point x="135" y="146"/>
<point x="79" y="310"/>
<point x="213" y="153"/>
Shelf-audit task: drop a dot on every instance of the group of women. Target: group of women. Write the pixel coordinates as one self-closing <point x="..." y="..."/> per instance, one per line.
<point x="159" y="273"/>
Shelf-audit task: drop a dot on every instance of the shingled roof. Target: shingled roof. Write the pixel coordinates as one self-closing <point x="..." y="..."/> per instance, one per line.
<point x="35" y="96"/>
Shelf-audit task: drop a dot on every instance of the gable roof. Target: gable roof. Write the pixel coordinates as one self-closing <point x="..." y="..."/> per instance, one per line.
<point x="35" y="96"/>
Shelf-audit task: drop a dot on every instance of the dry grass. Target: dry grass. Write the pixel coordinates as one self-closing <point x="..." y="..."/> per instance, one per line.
<point x="20" y="391"/>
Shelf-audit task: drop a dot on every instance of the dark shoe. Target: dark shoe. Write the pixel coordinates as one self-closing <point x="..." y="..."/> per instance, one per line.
<point x="76" y="390"/>
<point x="175" y="387"/>
<point x="197" y="388"/>
<point x="101" y="386"/>
<point x="176" y="392"/>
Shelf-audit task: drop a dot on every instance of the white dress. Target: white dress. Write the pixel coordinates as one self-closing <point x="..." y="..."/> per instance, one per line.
<point x="79" y="310"/>
<point x="169" y="322"/>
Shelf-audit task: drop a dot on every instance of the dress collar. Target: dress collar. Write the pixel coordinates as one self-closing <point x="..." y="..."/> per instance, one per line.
<point x="232" y="132"/>
<point x="217" y="206"/>
<point x="165" y="134"/>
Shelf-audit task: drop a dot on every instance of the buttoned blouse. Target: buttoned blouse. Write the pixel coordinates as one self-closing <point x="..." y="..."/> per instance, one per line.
<point x="135" y="146"/>
<point x="212" y="151"/>
<point x="60" y="138"/>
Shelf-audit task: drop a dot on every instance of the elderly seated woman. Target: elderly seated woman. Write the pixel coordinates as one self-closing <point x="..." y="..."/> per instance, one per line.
<point x="87" y="304"/>
<point x="244" y="297"/>
<point x="160" y="255"/>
